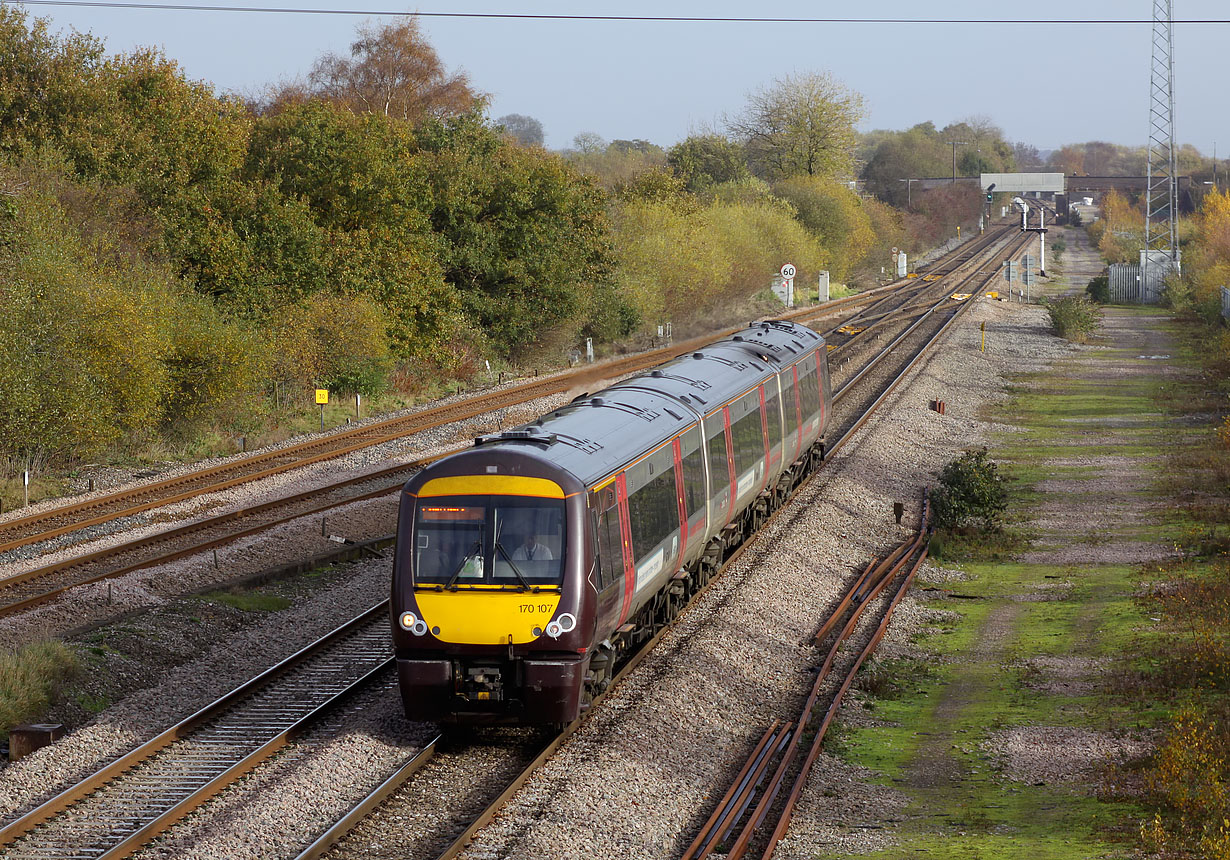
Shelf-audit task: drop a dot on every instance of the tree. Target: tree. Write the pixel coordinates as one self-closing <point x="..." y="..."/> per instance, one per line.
<point x="832" y="212"/>
<point x="523" y="237"/>
<point x="704" y="160"/>
<point x="334" y="341"/>
<point x="394" y="72"/>
<point x="588" y="142"/>
<point x="802" y="124"/>
<point x="615" y="164"/>
<point x="525" y="129"/>
<point x="915" y="153"/>
<point x="1027" y="157"/>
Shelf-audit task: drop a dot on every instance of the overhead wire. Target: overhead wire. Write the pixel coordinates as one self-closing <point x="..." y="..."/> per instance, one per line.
<point x="532" y="16"/>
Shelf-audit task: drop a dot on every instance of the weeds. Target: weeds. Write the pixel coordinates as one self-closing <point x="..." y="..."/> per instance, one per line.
<point x="249" y="601"/>
<point x="30" y="678"/>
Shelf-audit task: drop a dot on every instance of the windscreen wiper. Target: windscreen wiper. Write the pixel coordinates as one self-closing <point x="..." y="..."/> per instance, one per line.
<point x="451" y="584"/>
<point x="524" y="582"/>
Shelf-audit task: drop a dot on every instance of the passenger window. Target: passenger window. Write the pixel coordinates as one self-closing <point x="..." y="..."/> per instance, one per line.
<point x="773" y="414"/>
<point x="694" y="470"/>
<point x="653" y="513"/>
<point x="719" y="468"/>
<point x="610" y="545"/>
<point x="789" y="401"/>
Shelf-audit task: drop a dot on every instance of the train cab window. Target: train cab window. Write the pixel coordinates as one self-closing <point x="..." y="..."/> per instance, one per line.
<point x="528" y="543"/>
<point x="694" y="469"/>
<point x="489" y="541"/>
<point x="449" y="542"/>
<point x="773" y="412"/>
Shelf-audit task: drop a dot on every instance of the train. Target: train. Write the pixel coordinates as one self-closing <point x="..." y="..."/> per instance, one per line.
<point x="529" y="565"/>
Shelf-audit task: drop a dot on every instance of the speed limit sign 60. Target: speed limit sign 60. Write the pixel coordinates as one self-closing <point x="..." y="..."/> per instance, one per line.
<point x="788" y="271"/>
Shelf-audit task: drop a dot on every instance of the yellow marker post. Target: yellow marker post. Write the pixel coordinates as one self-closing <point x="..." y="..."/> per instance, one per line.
<point x="984" y="337"/>
<point x="322" y="400"/>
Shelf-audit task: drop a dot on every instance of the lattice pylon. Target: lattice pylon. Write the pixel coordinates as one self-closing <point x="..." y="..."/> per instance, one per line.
<point x="1162" y="196"/>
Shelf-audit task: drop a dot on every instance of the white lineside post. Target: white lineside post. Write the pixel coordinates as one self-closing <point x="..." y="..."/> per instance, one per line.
<point x="1042" y="241"/>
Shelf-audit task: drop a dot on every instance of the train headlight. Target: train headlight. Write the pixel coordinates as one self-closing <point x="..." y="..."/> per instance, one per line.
<point x="409" y="621"/>
<point x="554" y="630"/>
<point x="567" y="622"/>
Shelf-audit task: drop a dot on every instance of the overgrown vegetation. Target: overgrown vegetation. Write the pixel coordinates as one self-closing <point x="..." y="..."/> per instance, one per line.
<point x="1183" y="664"/>
<point x="971" y="494"/>
<point x="249" y="601"/>
<point x="1075" y="318"/>
<point x="179" y="267"/>
<point x="30" y="678"/>
<point x="1098" y="289"/>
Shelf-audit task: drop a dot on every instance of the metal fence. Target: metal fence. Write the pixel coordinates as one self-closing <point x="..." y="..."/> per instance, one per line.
<point x="1225" y="303"/>
<point x="1128" y="288"/>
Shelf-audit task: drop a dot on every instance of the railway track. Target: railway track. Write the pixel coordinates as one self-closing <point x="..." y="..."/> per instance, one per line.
<point x="186" y="765"/>
<point x="782" y="744"/>
<point x="754" y="795"/>
<point x="890" y="314"/>
<point x="120" y="807"/>
<point x="75" y="516"/>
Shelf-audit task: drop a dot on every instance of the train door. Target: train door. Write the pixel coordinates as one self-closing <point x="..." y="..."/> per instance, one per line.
<point x="609" y="576"/>
<point x="693" y="493"/>
<point x="625" y="540"/>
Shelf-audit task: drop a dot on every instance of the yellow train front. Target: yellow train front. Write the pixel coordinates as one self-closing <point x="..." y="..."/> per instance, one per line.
<point x="492" y="617"/>
<point x="528" y="566"/>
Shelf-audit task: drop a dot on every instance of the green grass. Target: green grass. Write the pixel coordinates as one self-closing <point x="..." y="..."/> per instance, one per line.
<point x="92" y="704"/>
<point x="30" y="679"/>
<point x="983" y="679"/>
<point x="249" y="601"/>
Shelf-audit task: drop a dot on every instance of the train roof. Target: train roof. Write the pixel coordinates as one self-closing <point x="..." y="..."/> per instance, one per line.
<point x="596" y="434"/>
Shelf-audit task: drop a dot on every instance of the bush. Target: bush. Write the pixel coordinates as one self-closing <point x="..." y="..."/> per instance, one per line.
<point x="1099" y="289"/>
<point x="335" y="342"/>
<point x="29" y="679"/>
<point x="1075" y="318"/>
<point x="970" y="492"/>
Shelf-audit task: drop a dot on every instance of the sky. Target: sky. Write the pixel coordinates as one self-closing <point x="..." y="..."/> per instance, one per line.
<point x="1046" y="84"/>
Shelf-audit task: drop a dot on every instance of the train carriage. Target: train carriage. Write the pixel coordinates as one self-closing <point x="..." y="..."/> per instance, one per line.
<point x="529" y="563"/>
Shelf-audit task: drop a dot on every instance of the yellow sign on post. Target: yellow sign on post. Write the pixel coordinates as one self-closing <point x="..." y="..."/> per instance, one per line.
<point x="322" y="396"/>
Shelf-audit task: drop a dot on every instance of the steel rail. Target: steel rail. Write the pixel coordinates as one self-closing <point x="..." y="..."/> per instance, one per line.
<point x="321" y="845"/>
<point x="926" y="349"/>
<point x="801" y="779"/>
<point x="309" y="452"/>
<point x="942" y="303"/>
<point x="702" y="847"/>
<point x="741" y="844"/>
<point x="43" y="572"/>
<point x="939" y="290"/>
<point x="278" y="722"/>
